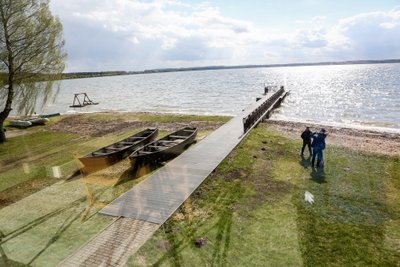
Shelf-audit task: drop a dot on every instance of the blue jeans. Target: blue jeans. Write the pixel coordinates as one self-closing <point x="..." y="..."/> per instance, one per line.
<point x="317" y="152"/>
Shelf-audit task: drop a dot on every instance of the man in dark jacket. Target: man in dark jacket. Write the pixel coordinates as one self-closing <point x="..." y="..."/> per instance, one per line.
<point x="306" y="136"/>
<point x="318" y="146"/>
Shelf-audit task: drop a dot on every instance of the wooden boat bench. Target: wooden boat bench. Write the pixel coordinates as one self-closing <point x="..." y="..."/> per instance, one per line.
<point x="145" y="152"/>
<point x="178" y="136"/>
<point x="168" y="141"/>
<point x="126" y="143"/>
<point x="152" y="146"/>
<point x="134" y="139"/>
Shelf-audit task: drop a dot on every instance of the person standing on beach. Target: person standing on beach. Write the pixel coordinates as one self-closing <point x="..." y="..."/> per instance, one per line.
<point x="306" y="136"/>
<point x="318" y="146"/>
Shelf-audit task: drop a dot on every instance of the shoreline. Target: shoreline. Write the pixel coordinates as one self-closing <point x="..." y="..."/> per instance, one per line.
<point x="370" y="127"/>
<point x="367" y="139"/>
<point x="362" y="127"/>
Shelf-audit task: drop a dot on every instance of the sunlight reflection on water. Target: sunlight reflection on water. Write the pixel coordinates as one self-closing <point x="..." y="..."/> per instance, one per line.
<point x="349" y="94"/>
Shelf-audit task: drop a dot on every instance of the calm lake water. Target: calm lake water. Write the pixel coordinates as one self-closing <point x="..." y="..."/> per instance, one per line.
<point x="366" y="95"/>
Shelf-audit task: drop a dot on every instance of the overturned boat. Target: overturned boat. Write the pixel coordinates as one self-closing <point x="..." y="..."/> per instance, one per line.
<point x="28" y="122"/>
<point x="108" y="155"/>
<point x="165" y="148"/>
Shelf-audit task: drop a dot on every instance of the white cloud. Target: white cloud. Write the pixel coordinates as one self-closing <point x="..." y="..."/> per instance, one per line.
<point x="137" y="35"/>
<point x="371" y="36"/>
<point x="178" y="32"/>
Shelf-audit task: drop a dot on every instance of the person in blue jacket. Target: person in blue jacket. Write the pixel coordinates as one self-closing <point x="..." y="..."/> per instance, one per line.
<point x="318" y="145"/>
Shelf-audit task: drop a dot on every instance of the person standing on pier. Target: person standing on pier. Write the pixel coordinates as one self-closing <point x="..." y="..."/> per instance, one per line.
<point x="318" y="146"/>
<point x="306" y="136"/>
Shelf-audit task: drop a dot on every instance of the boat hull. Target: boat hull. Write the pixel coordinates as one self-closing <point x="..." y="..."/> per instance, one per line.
<point x="111" y="154"/>
<point x="28" y="123"/>
<point x="164" y="153"/>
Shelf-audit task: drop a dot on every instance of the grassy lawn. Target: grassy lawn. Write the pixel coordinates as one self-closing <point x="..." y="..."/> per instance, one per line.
<point x="26" y="160"/>
<point x="44" y="219"/>
<point x="251" y="211"/>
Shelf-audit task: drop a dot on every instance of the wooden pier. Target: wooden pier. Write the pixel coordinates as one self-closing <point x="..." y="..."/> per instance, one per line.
<point x="155" y="199"/>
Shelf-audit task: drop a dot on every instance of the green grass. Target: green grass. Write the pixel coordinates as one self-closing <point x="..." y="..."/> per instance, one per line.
<point x="251" y="211"/>
<point x="26" y="160"/>
<point x="44" y="219"/>
<point x="45" y="235"/>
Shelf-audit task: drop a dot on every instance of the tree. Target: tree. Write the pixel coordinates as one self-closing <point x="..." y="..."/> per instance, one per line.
<point x="31" y="55"/>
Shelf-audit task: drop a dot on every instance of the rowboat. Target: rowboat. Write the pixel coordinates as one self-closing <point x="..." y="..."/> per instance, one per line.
<point x="108" y="155"/>
<point x="28" y="122"/>
<point x="165" y="148"/>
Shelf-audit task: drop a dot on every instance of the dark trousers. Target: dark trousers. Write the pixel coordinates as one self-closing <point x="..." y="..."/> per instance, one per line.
<point x="306" y="143"/>
<point x="320" y="157"/>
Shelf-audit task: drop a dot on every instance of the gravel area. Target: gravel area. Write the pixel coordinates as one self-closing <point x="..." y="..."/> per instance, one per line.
<point x="381" y="142"/>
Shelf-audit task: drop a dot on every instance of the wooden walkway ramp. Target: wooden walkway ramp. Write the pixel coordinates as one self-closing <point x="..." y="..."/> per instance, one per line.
<point x="144" y="208"/>
<point x="160" y="195"/>
<point x="156" y="198"/>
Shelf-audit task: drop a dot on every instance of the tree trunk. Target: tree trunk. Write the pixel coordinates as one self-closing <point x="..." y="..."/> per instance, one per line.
<point x="4" y="114"/>
<point x="2" y="133"/>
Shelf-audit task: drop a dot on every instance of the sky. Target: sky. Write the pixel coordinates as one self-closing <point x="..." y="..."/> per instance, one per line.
<point x="133" y="35"/>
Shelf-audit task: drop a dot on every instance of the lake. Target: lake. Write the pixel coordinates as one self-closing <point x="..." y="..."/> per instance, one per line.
<point x="363" y="95"/>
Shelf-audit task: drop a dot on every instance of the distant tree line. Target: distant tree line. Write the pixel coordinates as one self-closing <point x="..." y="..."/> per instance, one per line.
<point x="80" y="75"/>
<point x="77" y="75"/>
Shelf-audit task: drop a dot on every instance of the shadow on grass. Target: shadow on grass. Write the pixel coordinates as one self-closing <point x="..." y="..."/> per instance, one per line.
<point x="346" y="224"/>
<point x="69" y="220"/>
<point x="38" y="221"/>
<point x="180" y="238"/>
<point x="137" y="171"/>
<point x="67" y="223"/>
<point x="14" y="234"/>
<point x="221" y="244"/>
<point x="305" y="162"/>
<point x="318" y="175"/>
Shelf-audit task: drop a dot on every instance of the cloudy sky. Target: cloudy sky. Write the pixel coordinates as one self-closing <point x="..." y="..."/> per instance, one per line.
<point x="106" y="35"/>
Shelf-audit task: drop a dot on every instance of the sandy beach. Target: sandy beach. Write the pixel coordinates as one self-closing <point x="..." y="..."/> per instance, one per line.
<point x="381" y="142"/>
